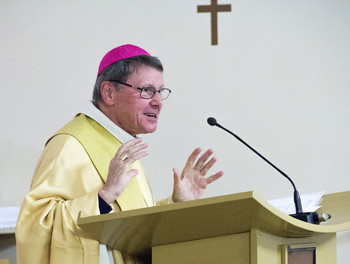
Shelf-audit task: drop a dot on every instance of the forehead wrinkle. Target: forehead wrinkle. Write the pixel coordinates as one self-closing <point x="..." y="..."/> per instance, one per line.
<point x="145" y="79"/>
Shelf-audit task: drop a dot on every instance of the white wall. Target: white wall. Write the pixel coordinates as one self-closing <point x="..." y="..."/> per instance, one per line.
<point x="279" y="78"/>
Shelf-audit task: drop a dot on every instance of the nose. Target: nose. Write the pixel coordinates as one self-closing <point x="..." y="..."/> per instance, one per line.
<point x="156" y="100"/>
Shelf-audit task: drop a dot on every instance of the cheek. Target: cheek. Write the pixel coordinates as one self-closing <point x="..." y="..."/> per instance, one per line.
<point x="134" y="109"/>
<point x="137" y="113"/>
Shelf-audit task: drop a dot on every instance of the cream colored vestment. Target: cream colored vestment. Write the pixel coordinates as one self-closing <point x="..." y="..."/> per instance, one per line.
<point x="69" y="173"/>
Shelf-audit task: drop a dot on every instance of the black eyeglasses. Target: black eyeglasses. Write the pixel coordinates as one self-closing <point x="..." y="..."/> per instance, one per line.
<point x="149" y="92"/>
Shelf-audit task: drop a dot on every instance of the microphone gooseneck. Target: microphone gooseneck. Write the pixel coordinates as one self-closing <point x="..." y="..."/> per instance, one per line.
<point x="307" y="217"/>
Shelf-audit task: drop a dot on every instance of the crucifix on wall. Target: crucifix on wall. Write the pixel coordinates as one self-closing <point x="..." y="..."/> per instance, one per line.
<point x="214" y="9"/>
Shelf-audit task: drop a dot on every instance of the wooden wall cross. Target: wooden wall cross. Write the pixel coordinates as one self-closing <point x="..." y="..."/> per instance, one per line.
<point x="214" y="8"/>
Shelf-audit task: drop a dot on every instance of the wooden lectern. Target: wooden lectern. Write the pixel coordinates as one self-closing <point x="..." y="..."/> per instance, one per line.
<point x="238" y="228"/>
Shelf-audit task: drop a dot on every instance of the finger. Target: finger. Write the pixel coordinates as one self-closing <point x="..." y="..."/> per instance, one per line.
<point x="129" y="144"/>
<point x="132" y="142"/>
<point x="132" y="152"/>
<point x="208" y="166"/>
<point x="135" y="156"/>
<point x="203" y="159"/>
<point x="214" y="177"/>
<point x="130" y="149"/>
<point x="138" y="148"/>
<point x="192" y="158"/>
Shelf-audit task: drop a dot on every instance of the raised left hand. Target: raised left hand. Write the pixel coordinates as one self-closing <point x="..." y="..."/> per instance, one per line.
<point x="193" y="181"/>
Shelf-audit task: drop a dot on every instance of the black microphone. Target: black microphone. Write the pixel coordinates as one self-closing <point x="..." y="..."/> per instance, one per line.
<point x="310" y="217"/>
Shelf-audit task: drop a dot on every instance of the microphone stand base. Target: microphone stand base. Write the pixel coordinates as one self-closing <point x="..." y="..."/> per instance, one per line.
<point x="310" y="217"/>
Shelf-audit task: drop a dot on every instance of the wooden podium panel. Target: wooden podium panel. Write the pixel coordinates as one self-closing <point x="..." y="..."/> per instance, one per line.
<point x="207" y="223"/>
<point x="224" y="249"/>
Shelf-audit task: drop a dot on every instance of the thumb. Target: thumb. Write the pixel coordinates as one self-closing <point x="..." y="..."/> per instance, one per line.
<point x="177" y="177"/>
<point x="177" y="180"/>
<point x="132" y="173"/>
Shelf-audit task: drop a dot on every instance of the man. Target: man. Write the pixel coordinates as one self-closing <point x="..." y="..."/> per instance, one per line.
<point x="93" y="164"/>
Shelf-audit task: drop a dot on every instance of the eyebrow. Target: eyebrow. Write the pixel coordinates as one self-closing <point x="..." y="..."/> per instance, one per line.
<point x="151" y="86"/>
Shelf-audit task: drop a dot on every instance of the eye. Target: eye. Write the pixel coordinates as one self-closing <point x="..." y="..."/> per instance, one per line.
<point x="149" y="90"/>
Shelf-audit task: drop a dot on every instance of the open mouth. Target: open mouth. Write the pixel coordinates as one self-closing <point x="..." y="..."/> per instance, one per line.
<point x="150" y="115"/>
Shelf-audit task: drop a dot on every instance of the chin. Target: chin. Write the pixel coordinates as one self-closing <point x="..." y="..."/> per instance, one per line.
<point x="149" y="130"/>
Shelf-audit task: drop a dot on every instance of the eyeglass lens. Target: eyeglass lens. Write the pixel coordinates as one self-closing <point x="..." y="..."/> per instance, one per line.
<point x="149" y="92"/>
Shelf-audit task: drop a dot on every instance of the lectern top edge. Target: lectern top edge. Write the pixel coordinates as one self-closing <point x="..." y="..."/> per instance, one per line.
<point x="84" y="218"/>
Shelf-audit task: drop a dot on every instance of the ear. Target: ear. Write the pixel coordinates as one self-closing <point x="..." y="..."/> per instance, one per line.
<point x="107" y="92"/>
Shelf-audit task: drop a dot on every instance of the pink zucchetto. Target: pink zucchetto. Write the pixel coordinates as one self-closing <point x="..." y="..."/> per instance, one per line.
<point x="120" y="53"/>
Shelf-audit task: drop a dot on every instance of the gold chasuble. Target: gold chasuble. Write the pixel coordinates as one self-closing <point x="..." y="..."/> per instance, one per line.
<point x="71" y="170"/>
<point x="101" y="147"/>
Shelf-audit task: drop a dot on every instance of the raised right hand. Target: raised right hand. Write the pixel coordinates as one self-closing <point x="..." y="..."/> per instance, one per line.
<point x="118" y="173"/>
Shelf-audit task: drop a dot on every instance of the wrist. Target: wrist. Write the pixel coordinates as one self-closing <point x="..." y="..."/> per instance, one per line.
<point x="107" y="196"/>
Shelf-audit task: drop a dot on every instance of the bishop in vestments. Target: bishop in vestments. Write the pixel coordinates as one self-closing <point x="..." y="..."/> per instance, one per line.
<point x="93" y="165"/>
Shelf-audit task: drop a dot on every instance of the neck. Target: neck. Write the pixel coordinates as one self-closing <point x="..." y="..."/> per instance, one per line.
<point x="105" y="109"/>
